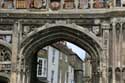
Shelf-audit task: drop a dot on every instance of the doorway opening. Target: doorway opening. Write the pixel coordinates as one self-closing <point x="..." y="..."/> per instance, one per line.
<point x="55" y="34"/>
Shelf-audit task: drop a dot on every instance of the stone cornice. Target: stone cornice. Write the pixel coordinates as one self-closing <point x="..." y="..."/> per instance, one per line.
<point x="87" y="13"/>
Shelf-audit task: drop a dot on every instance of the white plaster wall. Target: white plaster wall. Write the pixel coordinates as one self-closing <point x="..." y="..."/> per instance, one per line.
<point x="53" y="66"/>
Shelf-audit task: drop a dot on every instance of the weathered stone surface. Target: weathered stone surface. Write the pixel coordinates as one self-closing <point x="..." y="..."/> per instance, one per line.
<point x="93" y="31"/>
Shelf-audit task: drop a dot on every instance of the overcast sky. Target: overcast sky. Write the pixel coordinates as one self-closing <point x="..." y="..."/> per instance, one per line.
<point x="80" y="52"/>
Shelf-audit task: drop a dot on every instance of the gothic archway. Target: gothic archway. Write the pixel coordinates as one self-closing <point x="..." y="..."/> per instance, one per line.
<point x="5" y="51"/>
<point x="51" y="33"/>
<point x="5" y="61"/>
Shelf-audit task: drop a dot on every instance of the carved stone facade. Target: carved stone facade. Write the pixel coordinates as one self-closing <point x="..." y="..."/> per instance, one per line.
<point x="102" y="37"/>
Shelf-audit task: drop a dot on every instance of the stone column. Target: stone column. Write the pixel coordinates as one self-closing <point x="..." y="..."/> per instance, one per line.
<point x="94" y="71"/>
<point x="105" y="64"/>
<point x="28" y="76"/>
<point x="120" y="50"/>
<point x="18" y="76"/>
<point x="24" y="77"/>
<point x="15" y="47"/>
<point x="114" y="50"/>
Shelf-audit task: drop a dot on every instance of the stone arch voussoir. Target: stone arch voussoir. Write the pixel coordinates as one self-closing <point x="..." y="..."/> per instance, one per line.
<point x="56" y="32"/>
<point x="72" y="26"/>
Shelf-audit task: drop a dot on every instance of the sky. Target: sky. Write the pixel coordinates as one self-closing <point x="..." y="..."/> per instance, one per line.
<point x="80" y="52"/>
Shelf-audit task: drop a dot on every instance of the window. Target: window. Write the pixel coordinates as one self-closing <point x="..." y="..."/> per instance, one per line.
<point x="42" y="67"/>
<point x="45" y="68"/>
<point x="52" y="76"/>
<point x="54" y="50"/>
<point x="53" y="56"/>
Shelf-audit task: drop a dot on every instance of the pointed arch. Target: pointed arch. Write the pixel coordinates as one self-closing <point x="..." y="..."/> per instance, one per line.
<point x="50" y="33"/>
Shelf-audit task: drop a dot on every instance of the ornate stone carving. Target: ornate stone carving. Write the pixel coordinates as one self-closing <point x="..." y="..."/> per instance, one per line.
<point x="118" y="26"/>
<point x="26" y="29"/>
<point x="7" y="21"/>
<point x="5" y="54"/>
<point x="96" y="30"/>
<point x="6" y="27"/>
